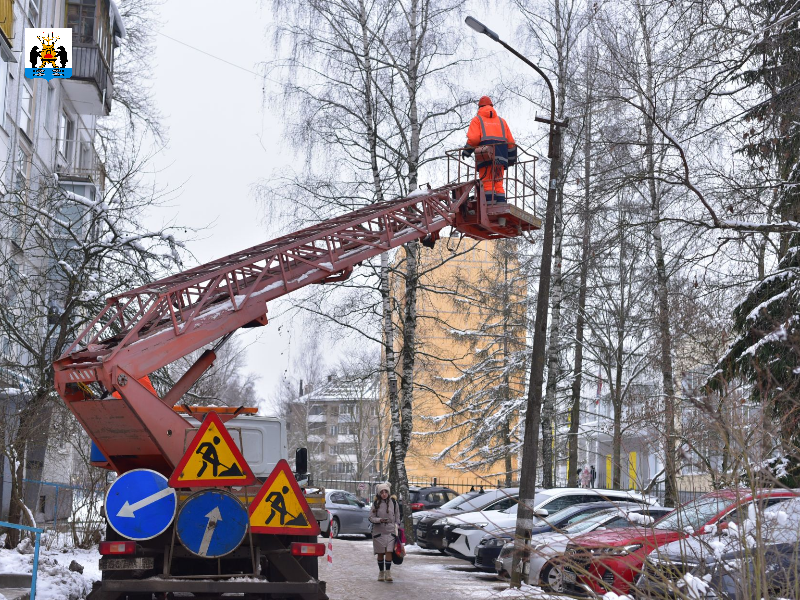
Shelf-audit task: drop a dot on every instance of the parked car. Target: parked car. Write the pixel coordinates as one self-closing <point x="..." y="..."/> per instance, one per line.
<point x="429" y="529"/>
<point x="428" y="498"/>
<point x="543" y="565"/>
<point x="464" y="532"/>
<point x="610" y="560"/>
<point x="722" y="562"/>
<point x="349" y="515"/>
<point x="492" y="542"/>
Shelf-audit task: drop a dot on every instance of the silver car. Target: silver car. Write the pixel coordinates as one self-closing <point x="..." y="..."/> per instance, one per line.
<point x="349" y="515"/>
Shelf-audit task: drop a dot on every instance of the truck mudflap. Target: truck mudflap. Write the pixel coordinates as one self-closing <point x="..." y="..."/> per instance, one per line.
<point x="251" y="587"/>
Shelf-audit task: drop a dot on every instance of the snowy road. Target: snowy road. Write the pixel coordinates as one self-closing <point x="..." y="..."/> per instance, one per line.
<point x="423" y="575"/>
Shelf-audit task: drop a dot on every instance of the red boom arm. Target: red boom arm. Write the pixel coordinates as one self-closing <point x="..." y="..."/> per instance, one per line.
<point x="147" y="328"/>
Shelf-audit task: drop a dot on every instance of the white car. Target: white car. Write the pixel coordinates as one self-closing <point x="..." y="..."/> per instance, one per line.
<point x="467" y="531"/>
<point x="544" y="570"/>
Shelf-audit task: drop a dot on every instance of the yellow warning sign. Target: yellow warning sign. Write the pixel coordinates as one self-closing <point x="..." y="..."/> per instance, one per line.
<point x="280" y="507"/>
<point x="212" y="459"/>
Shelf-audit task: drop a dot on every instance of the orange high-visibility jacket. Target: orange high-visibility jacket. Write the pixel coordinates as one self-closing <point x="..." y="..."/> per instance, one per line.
<point x="487" y="128"/>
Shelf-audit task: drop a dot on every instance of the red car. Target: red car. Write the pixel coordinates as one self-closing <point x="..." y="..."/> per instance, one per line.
<point x="604" y="561"/>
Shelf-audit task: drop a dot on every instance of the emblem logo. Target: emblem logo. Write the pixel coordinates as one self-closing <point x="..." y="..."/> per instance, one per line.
<point x="48" y="53"/>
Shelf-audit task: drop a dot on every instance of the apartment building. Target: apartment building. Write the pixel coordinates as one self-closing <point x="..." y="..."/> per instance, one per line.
<point x="48" y="151"/>
<point x="471" y="366"/>
<point x="340" y="423"/>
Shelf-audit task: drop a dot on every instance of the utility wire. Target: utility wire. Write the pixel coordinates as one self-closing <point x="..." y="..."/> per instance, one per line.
<point x="227" y="62"/>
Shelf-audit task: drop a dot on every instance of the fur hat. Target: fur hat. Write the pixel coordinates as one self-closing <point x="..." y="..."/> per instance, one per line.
<point x="383" y="486"/>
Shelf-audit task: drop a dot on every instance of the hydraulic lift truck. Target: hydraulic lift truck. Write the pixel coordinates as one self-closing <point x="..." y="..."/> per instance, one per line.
<point x="102" y="376"/>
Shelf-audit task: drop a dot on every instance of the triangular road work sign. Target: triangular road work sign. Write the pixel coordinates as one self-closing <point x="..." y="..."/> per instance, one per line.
<point x="212" y="459"/>
<point x="280" y="507"/>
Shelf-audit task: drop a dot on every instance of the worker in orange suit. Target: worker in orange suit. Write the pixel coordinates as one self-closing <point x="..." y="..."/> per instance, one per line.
<point x="488" y="131"/>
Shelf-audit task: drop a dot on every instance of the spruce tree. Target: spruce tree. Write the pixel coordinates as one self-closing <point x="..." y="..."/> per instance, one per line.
<point x="766" y="351"/>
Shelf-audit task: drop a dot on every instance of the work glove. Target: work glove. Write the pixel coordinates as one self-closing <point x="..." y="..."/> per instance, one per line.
<point x="466" y="152"/>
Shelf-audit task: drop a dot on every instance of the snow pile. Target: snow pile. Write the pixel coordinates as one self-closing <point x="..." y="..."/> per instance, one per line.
<point x="524" y="591"/>
<point x="54" y="579"/>
<point x="613" y="596"/>
<point x="696" y="587"/>
<point x="640" y="519"/>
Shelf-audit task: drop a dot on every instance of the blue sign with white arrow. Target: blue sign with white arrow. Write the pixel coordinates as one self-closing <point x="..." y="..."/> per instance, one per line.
<point x="140" y="504"/>
<point x="211" y="523"/>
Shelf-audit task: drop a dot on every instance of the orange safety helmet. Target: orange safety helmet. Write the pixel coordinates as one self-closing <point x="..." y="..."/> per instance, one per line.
<point x="485" y="101"/>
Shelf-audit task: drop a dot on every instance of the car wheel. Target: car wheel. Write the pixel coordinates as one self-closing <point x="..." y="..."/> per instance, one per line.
<point x="553" y="578"/>
<point x="335" y="528"/>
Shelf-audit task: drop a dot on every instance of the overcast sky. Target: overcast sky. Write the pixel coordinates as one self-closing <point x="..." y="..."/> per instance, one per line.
<point x="216" y="125"/>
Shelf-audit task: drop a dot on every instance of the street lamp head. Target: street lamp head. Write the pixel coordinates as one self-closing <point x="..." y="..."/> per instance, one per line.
<point x="481" y="28"/>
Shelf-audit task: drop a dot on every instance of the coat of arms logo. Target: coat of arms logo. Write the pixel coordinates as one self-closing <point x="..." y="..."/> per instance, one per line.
<point x="48" y="53"/>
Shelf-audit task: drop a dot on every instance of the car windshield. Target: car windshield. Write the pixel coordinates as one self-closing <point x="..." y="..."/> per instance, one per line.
<point x="537" y="500"/>
<point x="459" y="500"/>
<point x="694" y="515"/>
<point x="413" y="496"/>
<point x="590" y="522"/>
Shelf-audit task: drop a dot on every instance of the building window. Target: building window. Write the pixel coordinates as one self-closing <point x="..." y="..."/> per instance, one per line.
<point x="316" y="428"/>
<point x="26" y="108"/>
<point x="3" y="88"/>
<point x="334" y="430"/>
<point x="80" y="17"/>
<point x="373" y="430"/>
<point x="51" y="100"/>
<point x="332" y="449"/>
<point x="66" y="135"/>
<point x="347" y="409"/>
<point x="42" y="504"/>
<point x="33" y="13"/>
<point x="317" y="409"/>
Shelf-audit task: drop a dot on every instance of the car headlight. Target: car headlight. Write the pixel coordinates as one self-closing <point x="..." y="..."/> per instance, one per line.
<point x="442" y="521"/>
<point x="472" y="526"/>
<point x="615" y="550"/>
<point x="494" y="542"/>
<point x="415" y="519"/>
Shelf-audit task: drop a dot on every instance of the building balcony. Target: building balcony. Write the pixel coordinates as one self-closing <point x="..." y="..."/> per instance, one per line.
<point x="317" y="418"/>
<point x="91" y="86"/>
<point x="77" y="160"/>
<point x="7" y="20"/>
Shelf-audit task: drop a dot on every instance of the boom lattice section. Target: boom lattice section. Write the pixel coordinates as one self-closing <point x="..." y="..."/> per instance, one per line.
<point x="149" y="327"/>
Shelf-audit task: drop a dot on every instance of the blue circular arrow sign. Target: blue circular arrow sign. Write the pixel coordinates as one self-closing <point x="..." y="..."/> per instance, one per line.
<point x="140" y="505"/>
<point x="211" y="523"/>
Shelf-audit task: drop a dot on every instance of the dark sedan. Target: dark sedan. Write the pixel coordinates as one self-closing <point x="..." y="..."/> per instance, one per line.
<point x="428" y="498"/>
<point x="431" y="537"/>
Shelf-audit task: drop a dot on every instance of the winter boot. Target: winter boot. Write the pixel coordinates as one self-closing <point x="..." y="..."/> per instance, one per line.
<point x="388" y="576"/>
<point x="381" y="576"/>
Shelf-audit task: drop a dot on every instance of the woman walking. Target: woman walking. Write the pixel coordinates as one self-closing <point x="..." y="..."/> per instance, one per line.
<point x="385" y="519"/>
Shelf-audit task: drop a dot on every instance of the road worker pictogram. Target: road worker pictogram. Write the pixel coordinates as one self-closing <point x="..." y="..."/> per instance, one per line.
<point x="212" y="458"/>
<point x="280" y="507"/>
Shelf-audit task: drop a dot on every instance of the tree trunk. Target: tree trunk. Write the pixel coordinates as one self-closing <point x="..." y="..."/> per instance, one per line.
<point x="575" y="408"/>
<point x="553" y="354"/>
<point x="662" y="296"/>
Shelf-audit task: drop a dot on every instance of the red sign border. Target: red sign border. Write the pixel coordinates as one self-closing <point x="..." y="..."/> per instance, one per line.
<point x="210" y="418"/>
<point x="283" y="467"/>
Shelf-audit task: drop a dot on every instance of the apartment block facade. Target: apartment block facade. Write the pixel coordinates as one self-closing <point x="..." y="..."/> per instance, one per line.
<point x="340" y="423"/>
<point x="48" y="150"/>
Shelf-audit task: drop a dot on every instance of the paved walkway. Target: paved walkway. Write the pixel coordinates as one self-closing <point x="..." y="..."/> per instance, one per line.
<point x="424" y="575"/>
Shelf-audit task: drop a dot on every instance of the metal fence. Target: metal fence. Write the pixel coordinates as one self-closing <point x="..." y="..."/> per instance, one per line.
<point x="365" y="488"/>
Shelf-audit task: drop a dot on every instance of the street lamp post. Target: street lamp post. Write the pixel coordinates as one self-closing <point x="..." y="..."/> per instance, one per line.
<point x="530" y="445"/>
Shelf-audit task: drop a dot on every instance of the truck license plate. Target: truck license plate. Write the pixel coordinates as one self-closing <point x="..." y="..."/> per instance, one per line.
<point x="569" y="577"/>
<point x="126" y="564"/>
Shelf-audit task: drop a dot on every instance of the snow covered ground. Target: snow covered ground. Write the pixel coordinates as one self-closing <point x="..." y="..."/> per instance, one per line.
<point x="55" y="581"/>
<point x="424" y="575"/>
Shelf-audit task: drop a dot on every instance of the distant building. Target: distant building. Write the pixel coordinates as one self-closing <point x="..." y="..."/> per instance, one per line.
<point x="340" y="424"/>
<point x="469" y="341"/>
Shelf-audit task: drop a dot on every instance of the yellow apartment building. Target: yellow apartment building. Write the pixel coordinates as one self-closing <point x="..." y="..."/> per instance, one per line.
<point x="471" y="366"/>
